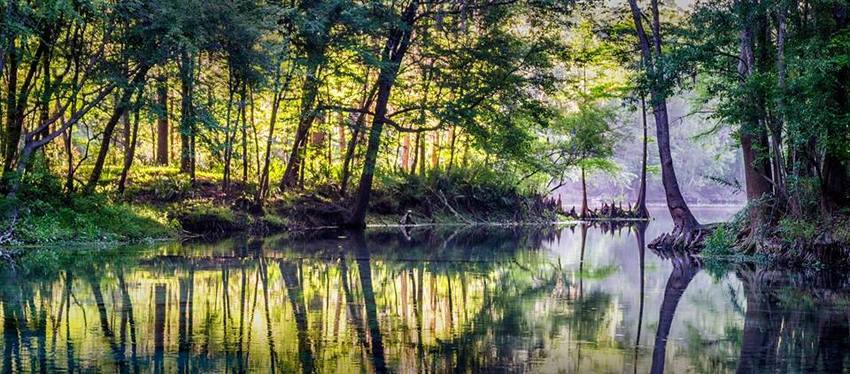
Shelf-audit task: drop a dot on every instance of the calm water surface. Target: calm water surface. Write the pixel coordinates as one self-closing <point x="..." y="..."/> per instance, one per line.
<point x="469" y="299"/>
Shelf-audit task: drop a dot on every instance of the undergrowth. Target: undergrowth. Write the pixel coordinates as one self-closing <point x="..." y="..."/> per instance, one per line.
<point x="47" y="215"/>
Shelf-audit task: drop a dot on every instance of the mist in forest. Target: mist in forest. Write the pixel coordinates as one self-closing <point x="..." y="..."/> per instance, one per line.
<point x="707" y="160"/>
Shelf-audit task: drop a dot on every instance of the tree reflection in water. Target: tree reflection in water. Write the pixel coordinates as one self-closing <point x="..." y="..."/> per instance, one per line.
<point x="466" y="300"/>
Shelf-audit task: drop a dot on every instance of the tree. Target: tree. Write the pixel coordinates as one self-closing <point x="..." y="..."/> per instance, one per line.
<point x="589" y="140"/>
<point x="781" y="85"/>
<point x="685" y="224"/>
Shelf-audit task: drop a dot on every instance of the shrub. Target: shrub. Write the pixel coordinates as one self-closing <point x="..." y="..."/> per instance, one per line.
<point x="795" y="231"/>
<point x="719" y="243"/>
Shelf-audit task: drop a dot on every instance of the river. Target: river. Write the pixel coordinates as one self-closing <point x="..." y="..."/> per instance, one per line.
<point x="568" y="299"/>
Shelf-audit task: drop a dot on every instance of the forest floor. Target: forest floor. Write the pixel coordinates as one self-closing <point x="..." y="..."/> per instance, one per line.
<point x="161" y="203"/>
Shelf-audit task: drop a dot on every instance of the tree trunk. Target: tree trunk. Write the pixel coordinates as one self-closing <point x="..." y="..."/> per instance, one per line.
<point x="243" y="109"/>
<point x="684" y="221"/>
<point x="405" y="153"/>
<point x="752" y="132"/>
<point x="131" y="152"/>
<point x="415" y="153"/>
<point x="584" y="210"/>
<point x="421" y="151"/>
<point x="120" y="109"/>
<point x="187" y="115"/>
<point x="228" y="138"/>
<point x="310" y="90"/>
<point x="12" y="135"/>
<point x="264" y="175"/>
<point x="435" y="151"/>
<point x="355" y="135"/>
<point x="640" y="207"/>
<point x="162" y="122"/>
<point x="393" y="53"/>
<point x="452" y="148"/>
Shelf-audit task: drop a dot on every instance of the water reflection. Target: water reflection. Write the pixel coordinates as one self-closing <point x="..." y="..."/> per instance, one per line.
<point x="572" y="299"/>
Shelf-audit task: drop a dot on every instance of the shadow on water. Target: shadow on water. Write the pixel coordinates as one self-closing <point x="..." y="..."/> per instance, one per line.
<point x="508" y="299"/>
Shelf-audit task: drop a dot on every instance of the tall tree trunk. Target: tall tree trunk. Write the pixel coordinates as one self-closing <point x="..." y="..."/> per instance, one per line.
<point x="640" y="207"/>
<point x="12" y="133"/>
<point x="162" y="122"/>
<point x="68" y="139"/>
<point x="396" y="47"/>
<point x="415" y="153"/>
<point x="405" y="153"/>
<point x="452" y="148"/>
<point x="228" y="137"/>
<point x="131" y="151"/>
<point x="684" y="221"/>
<point x="243" y="108"/>
<point x="187" y="114"/>
<point x="584" y="210"/>
<point x="310" y="91"/>
<point x="120" y="109"/>
<point x="355" y="136"/>
<point x="753" y="135"/>
<point x="364" y="190"/>
<point x="435" y="151"/>
<point x="264" y="175"/>
<point x="420" y="144"/>
<point x="16" y="100"/>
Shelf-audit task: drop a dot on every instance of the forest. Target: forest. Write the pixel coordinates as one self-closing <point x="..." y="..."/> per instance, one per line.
<point x="136" y="120"/>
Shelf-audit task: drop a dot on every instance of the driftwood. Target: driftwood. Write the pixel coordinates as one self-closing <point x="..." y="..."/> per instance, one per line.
<point x="448" y="206"/>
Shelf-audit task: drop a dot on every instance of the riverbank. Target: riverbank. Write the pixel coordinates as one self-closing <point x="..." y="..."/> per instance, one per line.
<point x="810" y="242"/>
<point x="162" y="204"/>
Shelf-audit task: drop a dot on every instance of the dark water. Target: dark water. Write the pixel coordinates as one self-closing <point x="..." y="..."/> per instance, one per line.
<point x="469" y="299"/>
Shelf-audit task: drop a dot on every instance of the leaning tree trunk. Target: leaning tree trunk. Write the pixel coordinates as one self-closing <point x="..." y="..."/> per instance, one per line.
<point x="685" y="224"/>
<point x="120" y="110"/>
<point x="364" y="190"/>
<point x="130" y="154"/>
<point x="310" y="91"/>
<point x="397" y="44"/>
<point x="352" y="144"/>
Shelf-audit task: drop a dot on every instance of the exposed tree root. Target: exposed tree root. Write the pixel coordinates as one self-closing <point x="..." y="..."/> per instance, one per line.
<point x="683" y="239"/>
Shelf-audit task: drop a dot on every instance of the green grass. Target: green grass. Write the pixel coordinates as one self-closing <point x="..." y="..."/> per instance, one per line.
<point x="47" y="215"/>
<point x="89" y="219"/>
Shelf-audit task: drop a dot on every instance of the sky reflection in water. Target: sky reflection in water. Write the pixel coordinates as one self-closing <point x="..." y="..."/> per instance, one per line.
<point x="571" y="299"/>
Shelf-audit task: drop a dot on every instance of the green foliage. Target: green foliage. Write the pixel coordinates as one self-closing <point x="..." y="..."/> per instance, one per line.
<point x="795" y="231"/>
<point x="719" y="243"/>
<point x="47" y="215"/>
